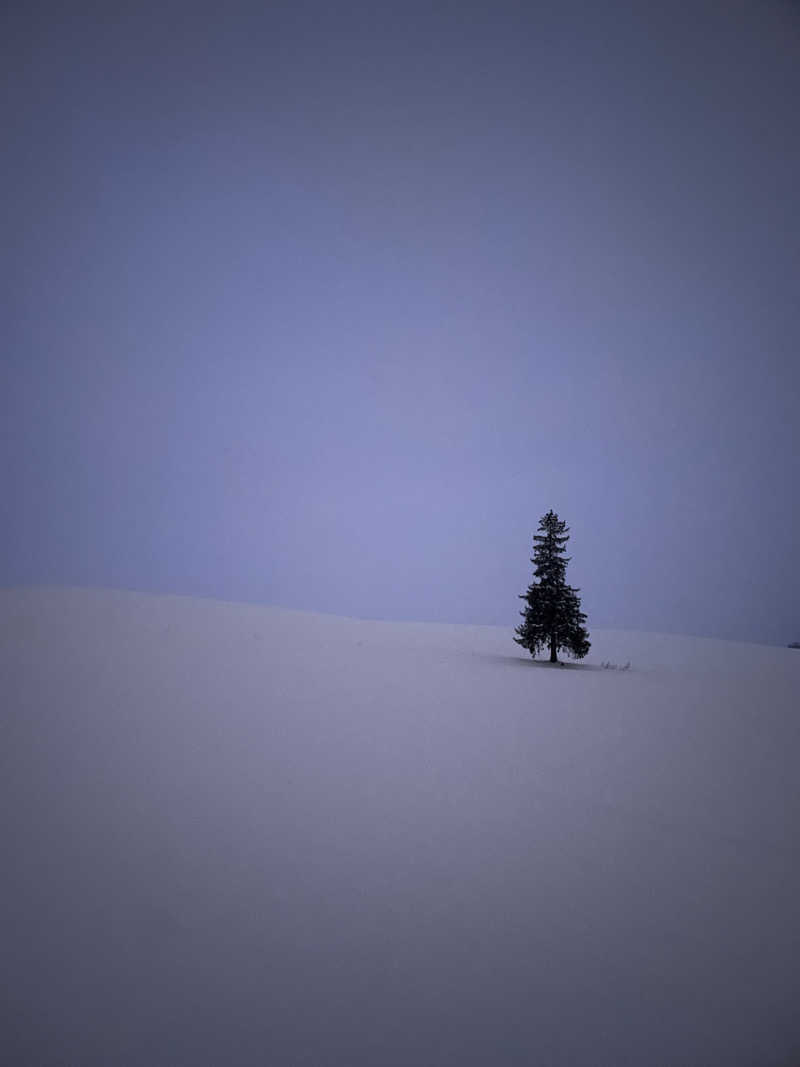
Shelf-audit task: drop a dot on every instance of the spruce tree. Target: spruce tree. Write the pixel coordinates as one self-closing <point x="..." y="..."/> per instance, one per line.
<point x="552" y="617"/>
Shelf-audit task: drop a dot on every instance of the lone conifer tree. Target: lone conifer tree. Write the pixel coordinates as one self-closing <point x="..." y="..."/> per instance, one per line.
<point x="552" y="617"/>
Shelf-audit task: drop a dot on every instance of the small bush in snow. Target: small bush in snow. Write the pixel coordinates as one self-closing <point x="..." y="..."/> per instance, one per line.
<point x="607" y="665"/>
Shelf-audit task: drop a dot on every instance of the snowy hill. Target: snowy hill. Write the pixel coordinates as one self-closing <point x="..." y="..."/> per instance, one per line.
<point x="242" y="835"/>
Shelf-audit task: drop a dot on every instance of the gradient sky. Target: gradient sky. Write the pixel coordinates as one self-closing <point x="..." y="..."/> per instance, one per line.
<point x="326" y="304"/>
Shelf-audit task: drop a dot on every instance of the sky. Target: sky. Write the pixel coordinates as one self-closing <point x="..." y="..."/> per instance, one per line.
<point x="325" y="305"/>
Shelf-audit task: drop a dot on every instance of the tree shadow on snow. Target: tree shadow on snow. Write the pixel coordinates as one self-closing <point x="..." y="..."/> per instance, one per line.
<point x="527" y="661"/>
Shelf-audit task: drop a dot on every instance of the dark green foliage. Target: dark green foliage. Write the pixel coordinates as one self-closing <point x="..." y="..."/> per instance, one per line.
<point x="552" y="617"/>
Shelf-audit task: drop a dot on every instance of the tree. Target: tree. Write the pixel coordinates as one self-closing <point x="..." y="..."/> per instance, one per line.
<point x="552" y="617"/>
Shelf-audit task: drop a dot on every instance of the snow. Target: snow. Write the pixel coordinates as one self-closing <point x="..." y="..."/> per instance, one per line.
<point x="240" y="835"/>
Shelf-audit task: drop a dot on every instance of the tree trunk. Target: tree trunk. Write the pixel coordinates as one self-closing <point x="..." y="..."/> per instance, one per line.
<point x="553" y="656"/>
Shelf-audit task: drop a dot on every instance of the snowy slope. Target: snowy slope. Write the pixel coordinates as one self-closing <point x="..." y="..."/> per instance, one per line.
<point x="242" y="835"/>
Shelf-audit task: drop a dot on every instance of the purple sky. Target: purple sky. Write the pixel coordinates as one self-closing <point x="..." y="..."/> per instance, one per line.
<point x="326" y="304"/>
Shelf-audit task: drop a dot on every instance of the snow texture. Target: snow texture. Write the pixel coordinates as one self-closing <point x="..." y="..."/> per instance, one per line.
<point x="243" y="835"/>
